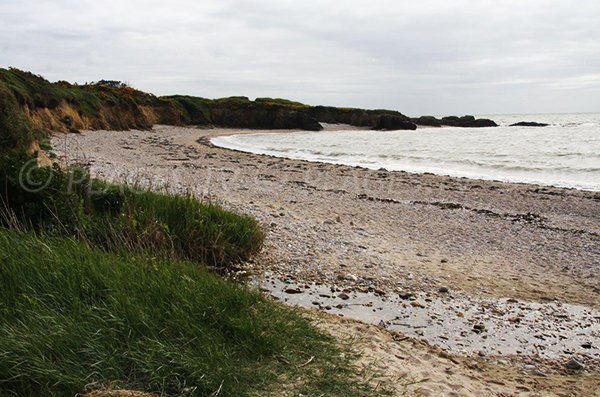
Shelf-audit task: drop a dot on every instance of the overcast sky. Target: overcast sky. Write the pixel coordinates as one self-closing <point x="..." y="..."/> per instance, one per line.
<point x="419" y="57"/>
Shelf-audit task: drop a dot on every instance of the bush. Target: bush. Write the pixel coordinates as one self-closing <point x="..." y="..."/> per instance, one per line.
<point x="15" y="130"/>
<point x="43" y="198"/>
<point x="67" y="202"/>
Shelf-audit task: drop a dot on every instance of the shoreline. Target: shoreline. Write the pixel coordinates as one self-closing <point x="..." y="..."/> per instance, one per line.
<point x="377" y="232"/>
<point x="332" y="128"/>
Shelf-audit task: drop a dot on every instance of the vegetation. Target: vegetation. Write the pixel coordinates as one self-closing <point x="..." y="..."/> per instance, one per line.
<point x="102" y="288"/>
<point x="74" y="317"/>
<point x="282" y="102"/>
<point x="55" y="202"/>
<point x="193" y="110"/>
<point x="15" y="130"/>
<point x="31" y="106"/>
<point x="105" y="286"/>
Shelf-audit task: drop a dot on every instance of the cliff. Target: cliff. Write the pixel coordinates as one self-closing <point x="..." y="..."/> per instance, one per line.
<point x="31" y="107"/>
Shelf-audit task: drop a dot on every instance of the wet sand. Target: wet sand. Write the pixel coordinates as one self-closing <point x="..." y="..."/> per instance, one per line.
<point x="477" y="257"/>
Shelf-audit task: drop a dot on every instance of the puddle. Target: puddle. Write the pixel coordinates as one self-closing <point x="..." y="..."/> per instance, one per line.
<point x="459" y="324"/>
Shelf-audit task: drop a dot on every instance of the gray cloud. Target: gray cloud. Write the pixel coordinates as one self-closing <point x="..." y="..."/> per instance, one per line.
<point x="430" y="57"/>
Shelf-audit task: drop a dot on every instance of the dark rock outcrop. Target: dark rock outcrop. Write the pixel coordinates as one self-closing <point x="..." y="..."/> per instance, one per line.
<point x="241" y="112"/>
<point x="467" y="121"/>
<point x="429" y="121"/>
<point x="388" y="122"/>
<point x="529" y="124"/>
<point x="376" y="119"/>
<point x="453" y="121"/>
<point x="263" y="118"/>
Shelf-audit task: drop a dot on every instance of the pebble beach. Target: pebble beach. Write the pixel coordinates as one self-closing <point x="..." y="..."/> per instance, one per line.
<point x="482" y="287"/>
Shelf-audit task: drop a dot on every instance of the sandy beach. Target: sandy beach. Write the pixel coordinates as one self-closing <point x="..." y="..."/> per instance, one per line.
<point x="470" y="261"/>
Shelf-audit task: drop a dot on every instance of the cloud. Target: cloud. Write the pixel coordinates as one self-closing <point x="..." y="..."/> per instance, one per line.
<point x="430" y="57"/>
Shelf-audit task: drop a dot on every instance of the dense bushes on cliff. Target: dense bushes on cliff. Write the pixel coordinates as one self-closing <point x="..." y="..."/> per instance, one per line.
<point x="30" y="107"/>
<point x="15" y="129"/>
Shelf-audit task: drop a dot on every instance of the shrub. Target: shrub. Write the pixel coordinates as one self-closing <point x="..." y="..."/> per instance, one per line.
<point x="44" y="198"/>
<point x="67" y="202"/>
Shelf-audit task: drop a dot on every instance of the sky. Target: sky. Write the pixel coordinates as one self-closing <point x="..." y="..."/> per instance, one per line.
<point x="423" y="57"/>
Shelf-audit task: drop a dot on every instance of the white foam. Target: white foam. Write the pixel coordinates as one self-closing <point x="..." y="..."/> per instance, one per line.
<point x="555" y="155"/>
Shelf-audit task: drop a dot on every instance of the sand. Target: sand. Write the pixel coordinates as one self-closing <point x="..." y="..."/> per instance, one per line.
<point x="395" y="234"/>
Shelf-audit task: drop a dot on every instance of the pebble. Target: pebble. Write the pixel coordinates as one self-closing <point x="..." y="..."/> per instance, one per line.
<point x="574" y="365"/>
<point x="292" y="291"/>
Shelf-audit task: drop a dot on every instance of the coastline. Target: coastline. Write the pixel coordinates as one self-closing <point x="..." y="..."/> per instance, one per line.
<point x="373" y="231"/>
<point x="336" y="152"/>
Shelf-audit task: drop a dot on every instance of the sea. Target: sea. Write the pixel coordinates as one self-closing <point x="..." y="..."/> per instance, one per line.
<point x="565" y="154"/>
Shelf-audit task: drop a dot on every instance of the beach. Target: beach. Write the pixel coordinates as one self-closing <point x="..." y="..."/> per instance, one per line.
<point x="479" y="255"/>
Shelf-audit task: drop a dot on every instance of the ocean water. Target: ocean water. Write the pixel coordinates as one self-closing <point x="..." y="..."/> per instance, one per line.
<point x="564" y="154"/>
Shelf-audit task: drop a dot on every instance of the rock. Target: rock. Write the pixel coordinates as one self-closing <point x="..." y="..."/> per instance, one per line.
<point x="417" y="304"/>
<point x="467" y="121"/>
<point x="356" y="117"/>
<point x="587" y="345"/>
<point x="443" y="290"/>
<point x="478" y="328"/>
<point x="344" y="296"/>
<point x="574" y="365"/>
<point x="405" y="295"/>
<point x="429" y="121"/>
<point x="529" y="124"/>
<point x="293" y="291"/>
<point x="390" y="123"/>
<point x="482" y="123"/>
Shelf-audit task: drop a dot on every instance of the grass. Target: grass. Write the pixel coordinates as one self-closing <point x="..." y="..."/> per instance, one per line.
<point x="177" y="226"/>
<point x="118" y="218"/>
<point x="15" y="130"/>
<point x="74" y="318"/>
<point x="105" y="287"/>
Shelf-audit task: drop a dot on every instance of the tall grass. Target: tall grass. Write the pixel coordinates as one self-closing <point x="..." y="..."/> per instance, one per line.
<point x="52" y="201"/>
<point x="177" y="226"/>
<point x="74" y="317"/>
